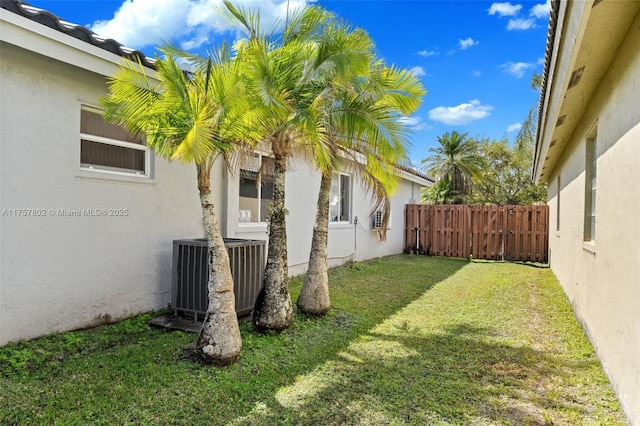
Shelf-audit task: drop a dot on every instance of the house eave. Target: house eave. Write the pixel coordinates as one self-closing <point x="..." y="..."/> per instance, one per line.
<point x="580" y="49"/>
<point x="414" y="176"/>
<point x="48" y="42"/>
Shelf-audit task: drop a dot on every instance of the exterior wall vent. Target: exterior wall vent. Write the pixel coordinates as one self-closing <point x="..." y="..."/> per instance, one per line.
<point x="575" y="77"/>
<point x="376" y="220"/>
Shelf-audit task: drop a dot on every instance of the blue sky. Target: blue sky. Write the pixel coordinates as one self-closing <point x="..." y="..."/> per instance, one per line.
<point x="475" y="58"/>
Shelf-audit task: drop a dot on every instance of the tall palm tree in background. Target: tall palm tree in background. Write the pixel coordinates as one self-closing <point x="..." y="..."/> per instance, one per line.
<point x="192" y="118"/>
<point x="457" y="161"/>
<point x="364" y="134"/>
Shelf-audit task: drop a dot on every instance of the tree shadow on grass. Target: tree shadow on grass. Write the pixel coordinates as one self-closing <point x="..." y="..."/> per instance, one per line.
<point x="254" y="390"/>
<point x="459" y="376"/>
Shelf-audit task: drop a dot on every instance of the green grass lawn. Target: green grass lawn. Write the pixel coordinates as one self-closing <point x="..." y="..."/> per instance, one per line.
<point x="410" y="340"/>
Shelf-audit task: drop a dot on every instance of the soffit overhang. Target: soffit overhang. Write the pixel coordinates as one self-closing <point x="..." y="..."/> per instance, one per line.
<point x="580" y="50"/>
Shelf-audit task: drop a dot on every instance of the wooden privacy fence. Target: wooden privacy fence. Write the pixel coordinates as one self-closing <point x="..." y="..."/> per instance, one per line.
<point x="514" y="233"/>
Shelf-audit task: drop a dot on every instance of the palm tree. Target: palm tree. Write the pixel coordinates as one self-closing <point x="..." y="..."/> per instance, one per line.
<point x="527" y="134"/>
<point x="457" y="161"/>
<point x="439" y="193"/>
<point x="361" y="118"/>
<point x="290" y="75"/>
<point x="192" y="117"/>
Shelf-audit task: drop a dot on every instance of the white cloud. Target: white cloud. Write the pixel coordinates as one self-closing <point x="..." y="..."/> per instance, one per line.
<point x="476" y="73"/>
<point x="460" y="114"/>
<point x="514" y="127"/>
<point x="541" y="10"/>
<point x="415" y="123"/>
<point x="467" y="43"/>
<point x="516" y="69"/>
<point x="504" y="9"/>
<point x="139" y="23"/>
<point x="196" y="41"/>
<point x="538" y="11"/>
<point x="427" y="53"/>
<point x="418" y="71"/>
<point x="521" y="24"/>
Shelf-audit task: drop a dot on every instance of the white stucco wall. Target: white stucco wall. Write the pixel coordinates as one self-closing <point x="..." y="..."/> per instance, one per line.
<point x="602" y="280"/>
<point x="59" y="273"/>
<point x="347" y="241"/>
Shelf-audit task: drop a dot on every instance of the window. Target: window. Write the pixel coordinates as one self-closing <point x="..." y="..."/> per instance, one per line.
<point x="558" y="203"/>
<point x="256" y="188"/>
<point x="591" y="162"/>
<point x="340" y="198"/>
<point x="108" y="148"/>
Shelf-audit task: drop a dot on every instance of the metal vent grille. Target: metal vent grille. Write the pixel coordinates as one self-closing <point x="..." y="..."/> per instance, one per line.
<point x="376" y="220"/>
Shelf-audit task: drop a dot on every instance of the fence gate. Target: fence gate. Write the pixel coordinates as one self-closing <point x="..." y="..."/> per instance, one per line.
<point x="514" y="233"/>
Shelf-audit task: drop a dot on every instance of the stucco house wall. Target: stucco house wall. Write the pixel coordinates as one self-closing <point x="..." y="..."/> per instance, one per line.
<point x="602" y="277"/>
<point x="60" y="271"/>
<point x="352" y="241"/>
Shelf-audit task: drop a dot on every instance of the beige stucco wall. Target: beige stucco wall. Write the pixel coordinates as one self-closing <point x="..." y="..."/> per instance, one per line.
<point x="602" y="280"/>
<point x="59" y="273"/>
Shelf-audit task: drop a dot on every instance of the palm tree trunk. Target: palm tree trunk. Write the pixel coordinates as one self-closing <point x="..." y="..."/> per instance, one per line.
<point x="314" y="296"/>
<point x="219" y="342"/>
<point x="273" y="309"/>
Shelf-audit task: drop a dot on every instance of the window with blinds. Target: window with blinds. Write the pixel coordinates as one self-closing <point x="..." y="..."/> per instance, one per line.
<point x="106" y="147"/>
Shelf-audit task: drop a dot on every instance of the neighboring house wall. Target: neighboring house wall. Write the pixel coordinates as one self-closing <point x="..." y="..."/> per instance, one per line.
<point x="602" y="277"/>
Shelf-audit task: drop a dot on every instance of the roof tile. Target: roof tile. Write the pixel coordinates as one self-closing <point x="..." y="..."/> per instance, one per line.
<point x="79" y="32"/>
